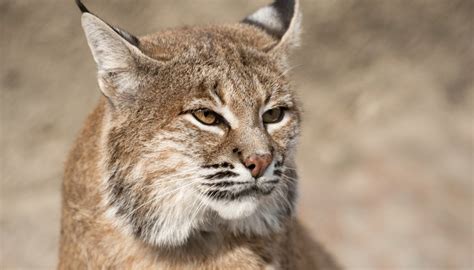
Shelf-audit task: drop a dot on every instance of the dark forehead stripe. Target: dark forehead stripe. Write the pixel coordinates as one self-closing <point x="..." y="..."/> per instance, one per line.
<point x="208" y="91"/>
<point x="248" y="87"/>
<point x="268" y="97"/>
<point x="217" y="91"/>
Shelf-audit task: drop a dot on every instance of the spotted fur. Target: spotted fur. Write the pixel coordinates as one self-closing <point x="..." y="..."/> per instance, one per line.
<point x="148" y="185"/>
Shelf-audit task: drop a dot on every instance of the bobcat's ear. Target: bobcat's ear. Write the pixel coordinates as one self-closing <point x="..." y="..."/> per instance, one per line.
<point x="282" y="20"/>
<point x="117" y="56"/>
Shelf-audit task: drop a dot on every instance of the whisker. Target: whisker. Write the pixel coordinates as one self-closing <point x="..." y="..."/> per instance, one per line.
<point x="288" y="168"/>
<point x="197" y="201"/>
<point x="162" y="195"/>
<point x="289" y="180"/>
<point x="171" y="179"/>
<point x="200" y="206"/>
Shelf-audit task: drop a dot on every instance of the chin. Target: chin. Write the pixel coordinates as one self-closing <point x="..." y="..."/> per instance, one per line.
<point x="236" y="209"/>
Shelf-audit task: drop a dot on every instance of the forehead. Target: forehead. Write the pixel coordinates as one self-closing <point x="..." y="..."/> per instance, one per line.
<point x="180" y="41"/>
<point x="229" y="60"/>
<point x="240" y="79"/>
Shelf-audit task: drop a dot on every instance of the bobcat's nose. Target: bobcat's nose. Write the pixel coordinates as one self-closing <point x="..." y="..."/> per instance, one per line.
<point x="258" y="164"/>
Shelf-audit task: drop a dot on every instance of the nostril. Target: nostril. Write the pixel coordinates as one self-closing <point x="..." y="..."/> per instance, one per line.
<point x="257" y="164"/>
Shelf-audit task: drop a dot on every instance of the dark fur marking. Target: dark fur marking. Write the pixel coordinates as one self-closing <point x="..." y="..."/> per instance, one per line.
<point x="82" y="7"/>
<point x="244" y="193"/>
<point x="232" y="196"/>
<point x="216" y="194"/>
<point x="127" y="36"/>
<point x="227" y="165"/>
<point x="277" y="172"/>
<point x="221" y="165"/>
<point x="280" y="163"/>
<point x="285" y="10"/>
<point x="124" y="34"/>
<point x="274" y="181"/>
<point x="226" y="184"/>
<point x="220" y="175"/>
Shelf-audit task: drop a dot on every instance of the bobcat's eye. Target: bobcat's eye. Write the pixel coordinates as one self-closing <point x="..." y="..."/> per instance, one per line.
<point x="207" y="117"/>
<point x="273" y="116"/>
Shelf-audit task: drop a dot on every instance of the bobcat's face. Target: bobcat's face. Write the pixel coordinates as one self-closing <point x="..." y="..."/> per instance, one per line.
<point x="200" y="130"/>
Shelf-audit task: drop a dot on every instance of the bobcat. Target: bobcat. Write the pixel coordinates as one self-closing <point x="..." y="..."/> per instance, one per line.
<point x="188" y="162"/>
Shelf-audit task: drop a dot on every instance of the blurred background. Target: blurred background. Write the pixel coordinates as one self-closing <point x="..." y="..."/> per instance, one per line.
<point x="387" y="153"/>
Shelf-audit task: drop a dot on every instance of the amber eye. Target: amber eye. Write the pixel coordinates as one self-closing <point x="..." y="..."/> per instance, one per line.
<point x="207" y="117"/>
<point x="273" y="116"/>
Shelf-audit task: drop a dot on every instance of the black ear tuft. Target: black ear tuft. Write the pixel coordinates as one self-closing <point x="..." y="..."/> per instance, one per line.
<point x="124" y="34"/>
<point x="275" y="19"/>
<point x="286" y="10"/>
<point x="127" y="36"/>
<point x="82" y="7"/>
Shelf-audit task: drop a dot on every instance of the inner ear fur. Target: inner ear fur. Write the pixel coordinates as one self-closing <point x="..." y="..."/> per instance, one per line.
<point x="118" y="58"/>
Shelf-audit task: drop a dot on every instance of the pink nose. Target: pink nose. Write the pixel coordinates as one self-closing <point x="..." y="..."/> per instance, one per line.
<point x="258" y="164"/>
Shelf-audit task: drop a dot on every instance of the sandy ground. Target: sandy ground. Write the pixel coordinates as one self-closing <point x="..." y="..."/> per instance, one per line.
<point x="386" y="157"/>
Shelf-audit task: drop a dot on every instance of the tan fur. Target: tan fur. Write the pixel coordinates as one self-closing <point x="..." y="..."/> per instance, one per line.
<point x="134" y="191"/>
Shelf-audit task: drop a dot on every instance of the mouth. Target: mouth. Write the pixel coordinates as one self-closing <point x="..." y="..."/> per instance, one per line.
<point x="238" y="197"/>
<point x="255" y="189"/>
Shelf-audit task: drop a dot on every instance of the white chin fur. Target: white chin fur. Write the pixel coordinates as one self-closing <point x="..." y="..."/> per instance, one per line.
<point x="231" y="210"/>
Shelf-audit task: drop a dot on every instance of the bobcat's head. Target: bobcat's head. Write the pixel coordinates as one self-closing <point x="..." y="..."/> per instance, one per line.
<point x="200" y="126"/>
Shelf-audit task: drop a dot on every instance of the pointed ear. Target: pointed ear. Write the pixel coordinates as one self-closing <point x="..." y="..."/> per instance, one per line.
<point x="117" y="56"/>
<point x="282" y="20"/>
<point x="111" y="51"/>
